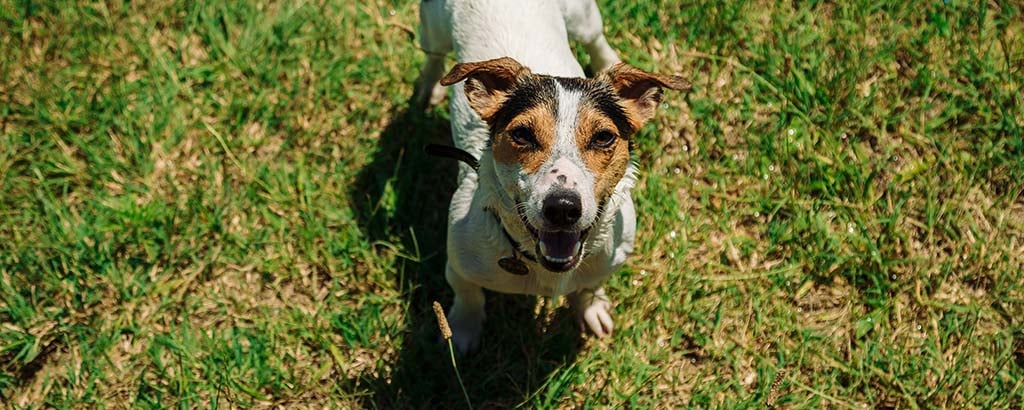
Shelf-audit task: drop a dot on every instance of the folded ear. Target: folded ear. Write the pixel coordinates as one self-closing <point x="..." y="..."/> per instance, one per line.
<point x="487" y="82"/>
<point x="639" y="90"/>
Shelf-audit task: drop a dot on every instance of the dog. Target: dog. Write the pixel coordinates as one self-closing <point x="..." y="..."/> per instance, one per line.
<point x="548" y="212"/>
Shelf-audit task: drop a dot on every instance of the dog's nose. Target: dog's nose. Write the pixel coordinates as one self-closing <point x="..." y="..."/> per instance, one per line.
<point x="562" y="209"/>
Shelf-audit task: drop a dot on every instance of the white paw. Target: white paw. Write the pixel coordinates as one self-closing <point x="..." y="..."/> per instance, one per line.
<point x="437" y="94"/>
<point x="466" y="331"/>
<point x="426" y="95"/>
<point x="598" y="317"/>
<point x="602" y="56"/>
<point x="600" y="63"/>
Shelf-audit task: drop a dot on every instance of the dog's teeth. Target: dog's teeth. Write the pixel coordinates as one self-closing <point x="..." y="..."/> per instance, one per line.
<point x="558" y="260"/>
<point x="579" y="245"/>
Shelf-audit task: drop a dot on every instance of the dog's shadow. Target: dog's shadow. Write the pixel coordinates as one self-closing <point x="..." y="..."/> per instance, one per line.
<point x="402" y="196"/>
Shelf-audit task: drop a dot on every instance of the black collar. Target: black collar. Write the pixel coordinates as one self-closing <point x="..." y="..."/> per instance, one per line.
<point x="512" y="264"/>
<point x="515" y="244"/>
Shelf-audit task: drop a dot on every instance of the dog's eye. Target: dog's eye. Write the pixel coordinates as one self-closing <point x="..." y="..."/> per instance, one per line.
<point x="602" y="139"/>
<point x="523" y="136"/>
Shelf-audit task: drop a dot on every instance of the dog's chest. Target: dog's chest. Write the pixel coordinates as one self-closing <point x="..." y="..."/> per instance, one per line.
<point x="477" y="242"/>
<point x="537" y="282"/>
<point x="529" y="284"/>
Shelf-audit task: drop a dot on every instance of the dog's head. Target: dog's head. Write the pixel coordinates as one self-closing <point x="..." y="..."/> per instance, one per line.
<point x="560" y="145"/>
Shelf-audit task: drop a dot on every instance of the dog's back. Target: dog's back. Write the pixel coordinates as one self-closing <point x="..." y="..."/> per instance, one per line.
<point x="532" y="32"/>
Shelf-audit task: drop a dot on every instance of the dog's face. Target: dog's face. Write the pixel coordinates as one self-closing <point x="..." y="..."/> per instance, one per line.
<point x="560" y="145"/>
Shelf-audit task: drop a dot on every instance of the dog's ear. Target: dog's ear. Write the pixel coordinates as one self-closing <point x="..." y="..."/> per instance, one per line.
<point x="639" y="90"/>
<point x="487" y="82"/>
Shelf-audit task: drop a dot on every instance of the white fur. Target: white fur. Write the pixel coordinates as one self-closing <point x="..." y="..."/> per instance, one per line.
<point x="535" y="33"/>
<point x="565" y="161"/>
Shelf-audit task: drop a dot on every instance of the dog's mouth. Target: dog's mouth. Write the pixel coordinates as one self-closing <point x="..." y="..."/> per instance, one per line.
<point x="558" y="251"/>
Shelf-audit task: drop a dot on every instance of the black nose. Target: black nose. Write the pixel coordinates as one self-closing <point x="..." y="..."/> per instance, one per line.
<point x="562" y="209"/>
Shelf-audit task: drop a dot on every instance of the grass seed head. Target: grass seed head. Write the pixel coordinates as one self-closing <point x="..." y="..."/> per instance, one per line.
<point x="442" y="322"/>
<point x="773" y="392"/>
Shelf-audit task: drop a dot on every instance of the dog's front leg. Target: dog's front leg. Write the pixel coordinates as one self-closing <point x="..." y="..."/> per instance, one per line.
<point x="593" y="309"/>
<point x="467" y="314"/>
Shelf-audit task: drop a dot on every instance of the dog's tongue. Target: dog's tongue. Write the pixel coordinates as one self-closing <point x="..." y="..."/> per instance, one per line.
<point x="559" y="245"/>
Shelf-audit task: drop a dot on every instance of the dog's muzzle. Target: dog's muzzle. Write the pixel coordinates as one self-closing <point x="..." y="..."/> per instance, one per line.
<point x="560" y="241"/>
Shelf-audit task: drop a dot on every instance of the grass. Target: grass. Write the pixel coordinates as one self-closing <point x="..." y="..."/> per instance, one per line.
<point x="227" y="204"/>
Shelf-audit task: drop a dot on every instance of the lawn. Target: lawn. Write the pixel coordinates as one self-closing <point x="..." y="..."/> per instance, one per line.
<point x="225" y="204"/>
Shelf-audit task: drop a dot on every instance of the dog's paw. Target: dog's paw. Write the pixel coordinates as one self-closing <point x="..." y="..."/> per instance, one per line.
<point x="600" y="63"/>
<point x="602" y="56"/>
<point x="466" y="331"/>
<point x="466" y="338"/>
<point x="598" y="317"/>
<point x="437" y="94"/>
<point x="427" y="96"/>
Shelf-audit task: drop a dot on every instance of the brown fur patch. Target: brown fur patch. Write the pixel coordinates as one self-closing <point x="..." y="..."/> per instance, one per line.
<point x="487" y="82"/>
<point x="607" y="164"/>
<point x="541" y="121"/>
<point x="640" y="91"/>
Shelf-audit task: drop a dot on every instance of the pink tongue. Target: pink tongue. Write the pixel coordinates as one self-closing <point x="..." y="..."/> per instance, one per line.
<point x="559" y="245"/>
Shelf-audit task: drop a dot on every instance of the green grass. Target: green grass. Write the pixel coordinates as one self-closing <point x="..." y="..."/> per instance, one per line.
<point x="212" y="203"/>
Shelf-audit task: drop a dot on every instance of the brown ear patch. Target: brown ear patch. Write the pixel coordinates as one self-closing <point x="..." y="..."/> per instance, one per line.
<point x="540" y="121"/>
<point x="639" y="90"/>
<point x="487" y="82"/>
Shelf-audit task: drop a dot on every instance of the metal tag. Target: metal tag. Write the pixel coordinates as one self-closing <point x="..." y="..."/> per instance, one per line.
<point x="514" y="266"/>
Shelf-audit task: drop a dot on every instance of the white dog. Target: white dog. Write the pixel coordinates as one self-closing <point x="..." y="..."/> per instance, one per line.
<point x="549" y="210"/>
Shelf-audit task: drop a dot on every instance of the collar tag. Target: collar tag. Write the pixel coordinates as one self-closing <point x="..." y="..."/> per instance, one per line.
<point x="513" y="265"/>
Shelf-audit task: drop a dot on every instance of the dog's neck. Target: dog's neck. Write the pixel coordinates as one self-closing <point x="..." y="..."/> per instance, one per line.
<point x="504" y="206"/>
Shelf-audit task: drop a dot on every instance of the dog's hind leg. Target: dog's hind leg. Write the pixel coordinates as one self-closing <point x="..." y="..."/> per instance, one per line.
<point x="436" y="42"/>
<point x="467" y="314"/>
<point x="583" y="21"/>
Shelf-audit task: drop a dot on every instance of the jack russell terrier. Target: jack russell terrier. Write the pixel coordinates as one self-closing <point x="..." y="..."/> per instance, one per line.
<point x="548" y="211"/>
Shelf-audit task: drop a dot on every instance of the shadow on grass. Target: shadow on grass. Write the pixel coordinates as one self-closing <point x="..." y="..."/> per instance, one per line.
<point x="402" y="197"/>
